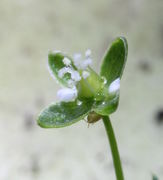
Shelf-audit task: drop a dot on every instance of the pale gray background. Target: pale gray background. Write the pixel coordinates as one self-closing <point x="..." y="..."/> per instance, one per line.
<point x="28" y="30"/>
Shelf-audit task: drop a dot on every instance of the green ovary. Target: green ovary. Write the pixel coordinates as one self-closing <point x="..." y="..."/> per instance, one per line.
<point x="91" y="87"/>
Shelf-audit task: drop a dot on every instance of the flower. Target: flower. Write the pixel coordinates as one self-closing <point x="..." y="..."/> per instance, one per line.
<point x="98" y="94"/>
<point x="78" y="76"/>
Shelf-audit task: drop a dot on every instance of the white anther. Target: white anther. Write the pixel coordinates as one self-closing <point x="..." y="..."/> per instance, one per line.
<point x="82" y="64"/>
<point x="66" y="61"/>
<point x="74" y="74"/>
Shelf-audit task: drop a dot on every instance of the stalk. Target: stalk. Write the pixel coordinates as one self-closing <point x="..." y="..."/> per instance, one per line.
<point x="114" y="148"/>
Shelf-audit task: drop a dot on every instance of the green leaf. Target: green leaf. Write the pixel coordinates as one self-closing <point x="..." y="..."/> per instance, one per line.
<point x="114" y="60"/>
<point x="107" y="106"/>
<point x="55" y="61"/>
<point x="64" y="114"/>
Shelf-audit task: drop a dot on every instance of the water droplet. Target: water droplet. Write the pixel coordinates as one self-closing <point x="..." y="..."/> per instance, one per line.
<point x="103" y="103"/>
<point x="104" y="80"/>
<point x="79" y="102"/>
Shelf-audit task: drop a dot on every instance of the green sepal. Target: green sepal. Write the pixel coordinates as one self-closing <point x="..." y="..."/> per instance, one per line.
<point x="108" y="105"/>
<point x="55" y="62"/>
<point x="112" y="68"/>
<point x="64" y="114"/>
<point x="114" y="60"/>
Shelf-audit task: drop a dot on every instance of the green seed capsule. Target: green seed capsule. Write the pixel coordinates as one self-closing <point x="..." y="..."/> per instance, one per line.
<point x="93" y="117"/>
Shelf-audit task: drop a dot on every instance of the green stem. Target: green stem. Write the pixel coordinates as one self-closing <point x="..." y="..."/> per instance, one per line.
<point x="114" y="148"/>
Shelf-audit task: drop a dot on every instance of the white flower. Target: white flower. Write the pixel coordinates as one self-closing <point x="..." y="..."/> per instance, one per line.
<point x="114" y="86"/>
<point x="67" y="61"/>
<point x="67" y="94"/>
<point x="85" y="74"/>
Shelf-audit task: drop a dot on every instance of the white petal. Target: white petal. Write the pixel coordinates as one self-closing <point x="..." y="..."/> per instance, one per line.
<point x="114" y="86"/>
<point x="67" y="94"/>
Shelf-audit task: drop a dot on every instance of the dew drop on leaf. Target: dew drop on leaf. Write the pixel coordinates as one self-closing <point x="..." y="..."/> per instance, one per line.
<point x="104" y="80"/>
<point x="79" y="102"/>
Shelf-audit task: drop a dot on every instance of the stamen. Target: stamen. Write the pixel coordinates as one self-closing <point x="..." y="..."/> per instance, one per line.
<point x="74" y="74"/>
<point x="67" y="61"/>
<point x="82" y="64"/>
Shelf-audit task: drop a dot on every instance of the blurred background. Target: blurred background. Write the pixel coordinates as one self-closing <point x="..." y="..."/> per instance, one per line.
<point x="28" y="30"/>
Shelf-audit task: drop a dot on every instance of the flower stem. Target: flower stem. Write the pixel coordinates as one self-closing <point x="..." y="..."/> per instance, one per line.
<point x="114" y="148"/>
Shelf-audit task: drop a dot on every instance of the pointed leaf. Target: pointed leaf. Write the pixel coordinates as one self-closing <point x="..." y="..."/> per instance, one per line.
<point x="55" y="61"/>
<point x="114" y="60"/>
<point x="63" y="114"/>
